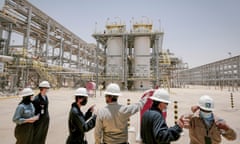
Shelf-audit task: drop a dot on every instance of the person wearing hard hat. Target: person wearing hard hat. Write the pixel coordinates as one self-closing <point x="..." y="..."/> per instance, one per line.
<point x="154" y="129"/>
<point x="112" y="120"/>
<point x="40" y="103"/>
<point x="78" y="123"/>
<point x="24" y="117"/>
<point x="204" y="126"/>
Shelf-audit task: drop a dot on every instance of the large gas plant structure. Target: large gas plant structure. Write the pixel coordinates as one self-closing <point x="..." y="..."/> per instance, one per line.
<point x="135" y="58"/>
<point x="49" y="51"/>
<point x="132" y="57"/>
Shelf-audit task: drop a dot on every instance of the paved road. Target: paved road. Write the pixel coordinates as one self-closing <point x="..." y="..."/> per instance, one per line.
<point x="60" y="101"/>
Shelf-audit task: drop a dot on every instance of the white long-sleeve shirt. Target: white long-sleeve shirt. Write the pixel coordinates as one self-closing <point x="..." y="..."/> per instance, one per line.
<point x="111" y="124"/>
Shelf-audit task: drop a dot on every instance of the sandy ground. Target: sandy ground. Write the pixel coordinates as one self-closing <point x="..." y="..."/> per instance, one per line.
<point x="61" y="99"/>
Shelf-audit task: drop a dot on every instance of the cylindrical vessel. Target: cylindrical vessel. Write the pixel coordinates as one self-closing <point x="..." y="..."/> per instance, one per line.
<point x="142" y="62"/>
<point x="114" y="56"/>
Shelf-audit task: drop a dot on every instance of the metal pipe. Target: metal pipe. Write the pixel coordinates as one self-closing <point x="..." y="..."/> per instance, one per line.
<point x="47" y="39"/>
<point x="97" y="62"/>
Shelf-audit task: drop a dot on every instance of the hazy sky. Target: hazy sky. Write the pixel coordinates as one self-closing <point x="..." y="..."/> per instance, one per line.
<point x="198" y="31"/>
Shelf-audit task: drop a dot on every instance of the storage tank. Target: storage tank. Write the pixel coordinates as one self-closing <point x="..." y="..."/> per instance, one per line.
<point x="114" y="48"/>
<point x="142" y="62"/>
<point x="114" y="56"/>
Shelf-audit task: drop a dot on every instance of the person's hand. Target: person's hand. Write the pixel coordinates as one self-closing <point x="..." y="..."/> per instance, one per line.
<point x="146" y="96"/>
<point x="221" y="124"/>
<point x="36" y="117"/>
<point x="32" y="119"/>
<point x="195" y="108"/>
<point x="91" y="109"/>
<point x="180" y="122"/>
<point x="186" y="120"/>
<point x="95" y="110"/>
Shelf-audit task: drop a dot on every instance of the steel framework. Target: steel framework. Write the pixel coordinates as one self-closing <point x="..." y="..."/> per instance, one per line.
<point x="162" y="62"/>
<point x="222" y="73"/>
<point x="49" y="50"/>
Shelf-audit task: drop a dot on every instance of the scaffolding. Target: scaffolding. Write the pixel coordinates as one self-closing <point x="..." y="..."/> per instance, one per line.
<point x="49" y="50"/>
<point x="222" y="73"/>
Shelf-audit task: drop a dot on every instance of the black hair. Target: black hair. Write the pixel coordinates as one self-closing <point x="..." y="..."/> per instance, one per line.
<point x="78" y="97"/>
<point x="41" y="88"/>
<point x="26" y="100"/>
<point x="155" y="104"/>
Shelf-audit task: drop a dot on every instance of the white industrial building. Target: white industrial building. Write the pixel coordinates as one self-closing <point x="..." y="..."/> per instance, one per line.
<point x="134" y="58"/>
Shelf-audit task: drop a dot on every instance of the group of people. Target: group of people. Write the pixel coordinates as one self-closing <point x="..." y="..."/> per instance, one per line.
<point x="203" y="125"/>
<point x="31" y="116"/>
<point x="111" y="122"/>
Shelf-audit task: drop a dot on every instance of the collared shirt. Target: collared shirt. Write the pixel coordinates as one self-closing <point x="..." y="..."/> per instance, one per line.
<point x="23" y="112"/>
<point x="79" y="123"/>
<point x="111" y="125"/>
<point x="198" y="130"/>
<point x="154" y="129"/>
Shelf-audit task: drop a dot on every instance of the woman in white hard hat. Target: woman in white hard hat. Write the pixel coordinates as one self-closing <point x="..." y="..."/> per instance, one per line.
<point x="154" y="129"/>
<point x="79" y="123"/>
<point x="24" y="118"/>
<point x="112" y="120"/>
<point x="204" y="127"/>
<point x="40" y="103"/>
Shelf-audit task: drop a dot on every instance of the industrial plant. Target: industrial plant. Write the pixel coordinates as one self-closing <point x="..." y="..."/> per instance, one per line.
<point x="133" y="57"/>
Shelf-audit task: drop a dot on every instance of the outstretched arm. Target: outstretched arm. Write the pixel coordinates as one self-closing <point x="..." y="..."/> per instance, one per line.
<point x="81" y="123"/>
<point x="163" y="134"/>
<point x="227" y="132"/>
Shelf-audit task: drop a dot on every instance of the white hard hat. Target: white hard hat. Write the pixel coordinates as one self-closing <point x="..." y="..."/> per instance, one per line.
<point x="161" y="95"/>
<point x="206" y="103"/>
<point x="26" y="92"/>
<point x="81" y="92"/>
<point x="112" y="89"/>
<point x="44" y="84"/>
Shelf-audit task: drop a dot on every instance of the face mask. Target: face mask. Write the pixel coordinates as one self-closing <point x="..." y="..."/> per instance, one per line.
<point x="205" y="115"/>
<point x="84" y="102"/>
<point x="164" y="110"/>
<point x="164" y="113"/>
